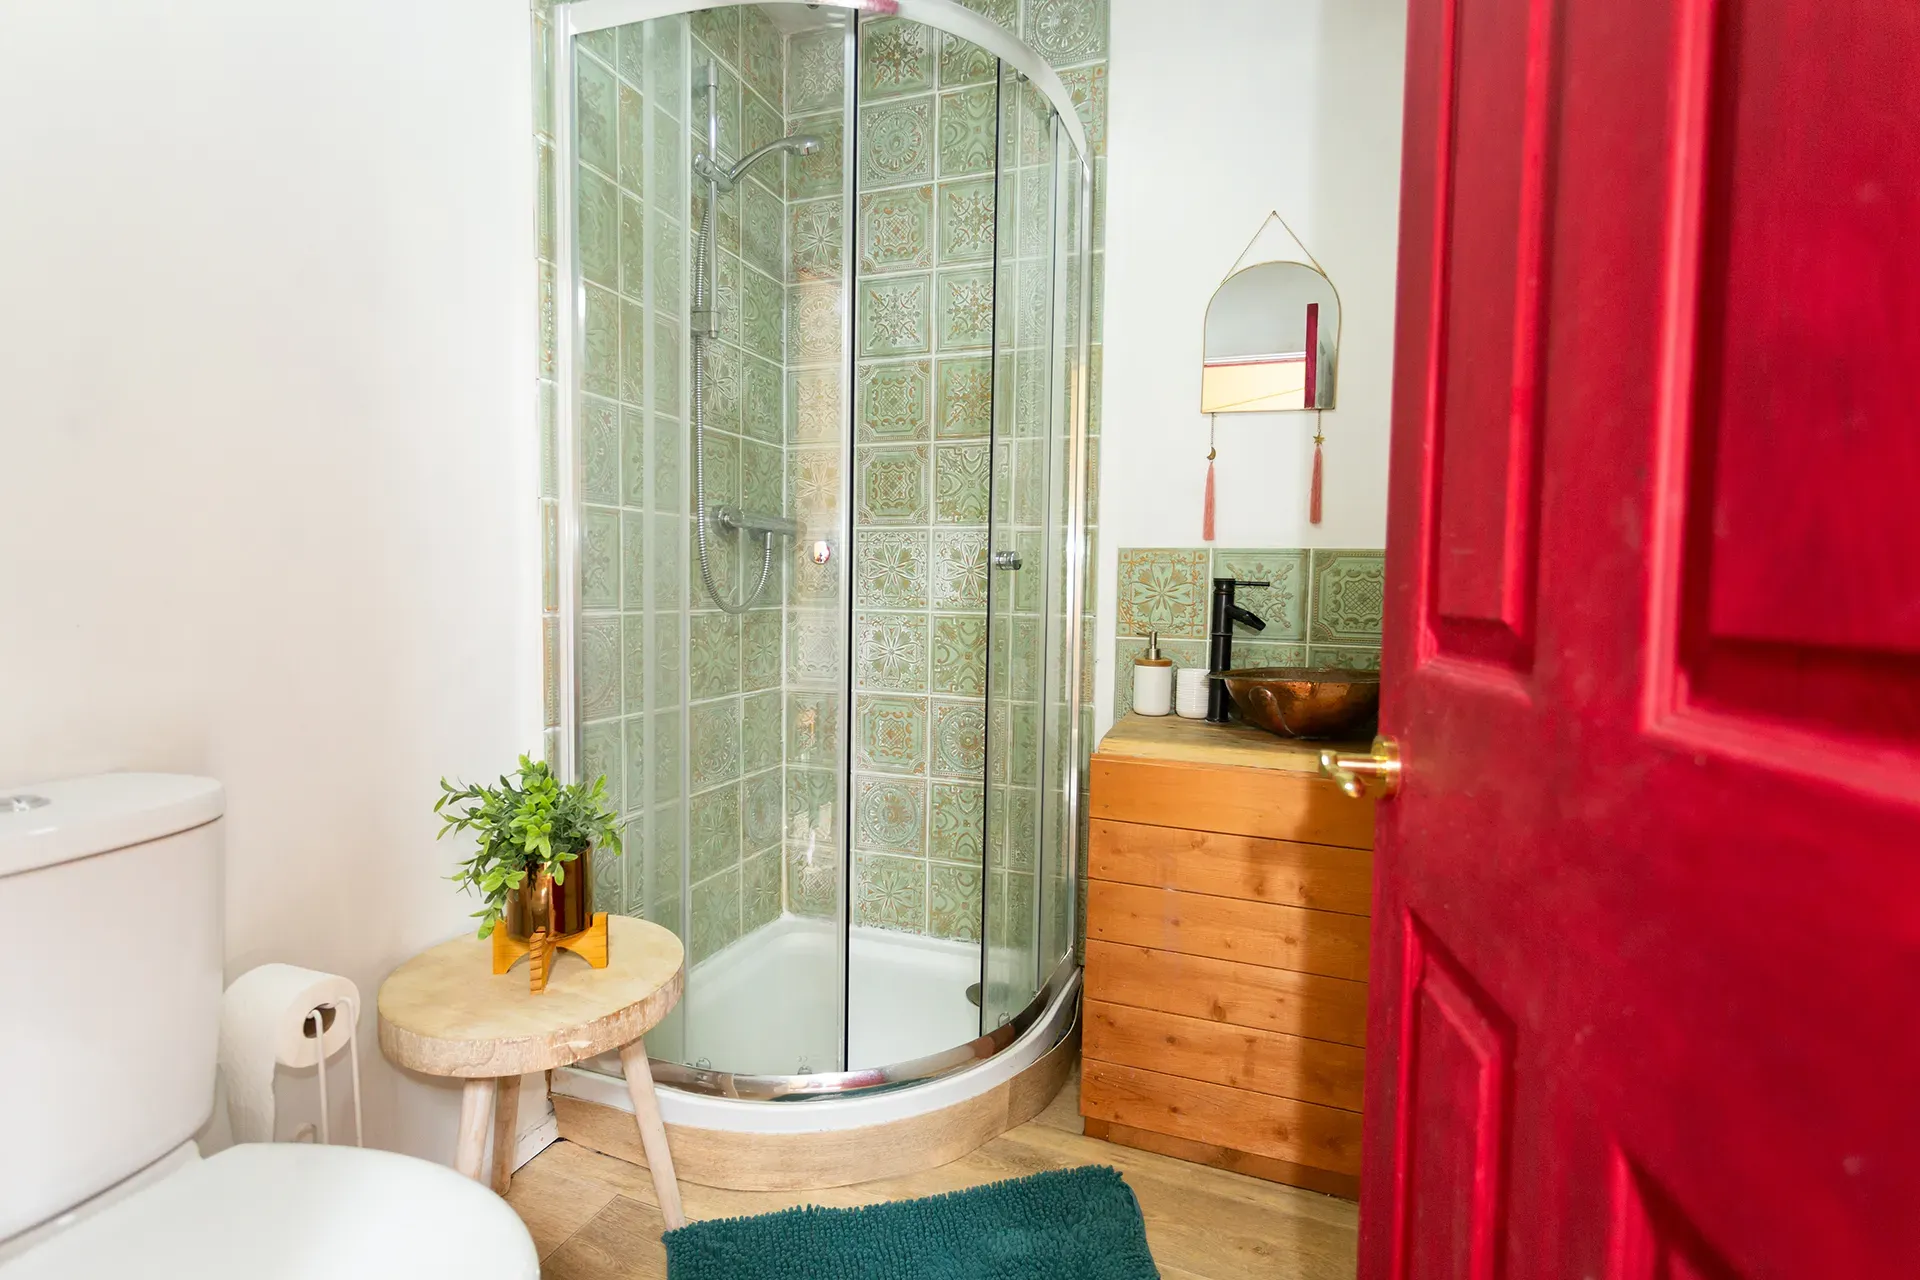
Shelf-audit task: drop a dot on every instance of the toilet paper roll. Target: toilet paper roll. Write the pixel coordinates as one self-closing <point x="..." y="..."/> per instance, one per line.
<point x="264" y="1024"/>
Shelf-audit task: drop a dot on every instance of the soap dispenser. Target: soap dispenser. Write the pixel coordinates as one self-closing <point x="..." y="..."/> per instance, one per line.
<point x="1153" y="680"/>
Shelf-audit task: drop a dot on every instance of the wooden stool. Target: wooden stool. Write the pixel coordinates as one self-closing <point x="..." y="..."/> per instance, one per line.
<point x="446" y="1014"/>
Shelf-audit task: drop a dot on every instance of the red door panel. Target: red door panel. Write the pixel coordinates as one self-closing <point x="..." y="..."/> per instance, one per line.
<point x="1652" y="882"/>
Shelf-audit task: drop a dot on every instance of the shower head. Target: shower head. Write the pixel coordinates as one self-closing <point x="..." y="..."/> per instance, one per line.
<point x="803" y="144"/>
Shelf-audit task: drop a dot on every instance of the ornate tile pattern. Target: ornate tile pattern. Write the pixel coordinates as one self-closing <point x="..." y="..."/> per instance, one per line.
<point x="1282" y="606"/>
<point x="816" y="71"/>
<point x="1163" y="589"/>
<point x="897" y="143"/>
<point x="960" y="655"/>
<point x="892" y="486"/>
<point x="966" y="309"/>
<point x="814" y="240"/>
<point x="966" y="221"/>
<point x="890" y="892"/>
<point x="896" y="58"/>
<point x="967" y="130"/>
<point x="890" y="735"/>
<point x="895" y="316"/>
<point x="890" y="568"/>
<point x="890" y="651"/>
<point x="1349" y="596"/>
<point x="896" y="230"/>
<point x="894" y="401"/>
<point x="890" y="814"/>
<point x="954" y="899"/>
<point x="960" y="569"/>
<point x="959" y="738"/>
<point x="960" y="484"/>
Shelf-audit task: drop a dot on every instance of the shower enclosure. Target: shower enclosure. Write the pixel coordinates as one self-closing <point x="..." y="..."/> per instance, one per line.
<point x="822" y="367"/>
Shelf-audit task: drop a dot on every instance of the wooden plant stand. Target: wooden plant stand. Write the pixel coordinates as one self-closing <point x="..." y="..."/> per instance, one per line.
<point x="590" y="944"/>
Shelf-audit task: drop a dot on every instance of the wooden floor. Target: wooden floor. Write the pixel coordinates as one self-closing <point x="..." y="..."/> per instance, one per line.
<point x="595" y="1218"/>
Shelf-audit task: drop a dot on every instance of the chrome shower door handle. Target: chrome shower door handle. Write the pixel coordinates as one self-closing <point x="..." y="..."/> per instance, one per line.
<point x="1006" y="559"/>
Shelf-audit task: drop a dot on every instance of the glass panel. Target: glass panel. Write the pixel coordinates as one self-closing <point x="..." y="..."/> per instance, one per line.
<point x="924" y="311"/>
<point x="1026" y="571"/>
<point x="709" y="358"/>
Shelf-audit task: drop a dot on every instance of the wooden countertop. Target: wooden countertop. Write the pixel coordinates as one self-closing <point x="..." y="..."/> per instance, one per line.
<point x="1181" y="741"/>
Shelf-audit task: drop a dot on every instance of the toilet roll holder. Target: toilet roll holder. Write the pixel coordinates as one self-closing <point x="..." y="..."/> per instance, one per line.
<point x="315" y="1025"/>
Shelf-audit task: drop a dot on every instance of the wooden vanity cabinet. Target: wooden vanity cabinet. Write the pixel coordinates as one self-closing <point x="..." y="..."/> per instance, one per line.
<point x="1229" y="891"/>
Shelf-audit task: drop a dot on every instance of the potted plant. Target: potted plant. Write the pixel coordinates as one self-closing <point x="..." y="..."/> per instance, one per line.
<point x="536" y="839"/>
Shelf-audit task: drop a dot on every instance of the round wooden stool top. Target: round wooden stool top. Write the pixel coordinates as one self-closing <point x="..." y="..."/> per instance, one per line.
<point x="445" y="1012"/>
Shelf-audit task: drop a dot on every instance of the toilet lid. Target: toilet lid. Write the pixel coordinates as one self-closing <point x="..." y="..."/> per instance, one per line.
<point x="292" y="1211"/>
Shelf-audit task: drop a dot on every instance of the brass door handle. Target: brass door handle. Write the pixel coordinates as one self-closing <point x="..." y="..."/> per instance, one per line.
<point x="1376" y="774"/>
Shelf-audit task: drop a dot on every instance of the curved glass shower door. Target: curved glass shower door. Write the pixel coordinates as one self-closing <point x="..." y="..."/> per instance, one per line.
<point x="816" y="365"/>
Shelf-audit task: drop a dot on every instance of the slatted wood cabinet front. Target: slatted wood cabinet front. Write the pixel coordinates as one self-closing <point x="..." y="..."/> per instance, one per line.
<point x="1226" y="966"/>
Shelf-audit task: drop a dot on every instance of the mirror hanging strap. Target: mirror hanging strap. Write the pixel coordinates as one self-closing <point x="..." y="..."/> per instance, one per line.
<point x="1206" y="510"/>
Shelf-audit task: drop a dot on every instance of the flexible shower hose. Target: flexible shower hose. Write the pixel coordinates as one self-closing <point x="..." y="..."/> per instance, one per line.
<point x="702" y="301"/>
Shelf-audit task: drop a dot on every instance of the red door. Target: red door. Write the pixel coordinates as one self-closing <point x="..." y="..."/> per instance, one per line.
<point x="1647" y="936"/>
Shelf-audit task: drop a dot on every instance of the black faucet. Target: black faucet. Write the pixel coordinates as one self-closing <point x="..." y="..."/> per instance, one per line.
<point x="1220" y="640"/>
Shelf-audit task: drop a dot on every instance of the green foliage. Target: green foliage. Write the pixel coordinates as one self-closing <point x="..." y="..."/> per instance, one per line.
<point x="524" y="826"/>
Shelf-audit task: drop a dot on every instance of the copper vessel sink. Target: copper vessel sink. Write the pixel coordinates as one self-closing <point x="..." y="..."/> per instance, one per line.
<point x="1295" y="702"/>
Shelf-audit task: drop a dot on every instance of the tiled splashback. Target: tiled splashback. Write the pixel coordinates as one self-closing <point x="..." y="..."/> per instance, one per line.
<point x="1322" y="609"/>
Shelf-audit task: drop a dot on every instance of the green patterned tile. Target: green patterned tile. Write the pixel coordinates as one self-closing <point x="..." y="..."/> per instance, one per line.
<point x="890" y="734"/>
<point x="761" y="53"/>
<point x="762" y="482"/>
<point x="897" y="143"/>
<point x="760" y="631"/>
<point x="595" y="109"/>
<point x="760" y="718"/>
<point x="669" y="566"/>
<point x="763" y="314"/>
<point x="600" y="363"/>
<point x="719" y="30"/>
<point x="896" y="58"/>
<point x="631" y="109"/>
<point x="715" y="655"/>
<point x="633" y="660"/>
<point x="633" y="352"/>
<point x="954" y="902"/>
<point x="963" y="403"/>
<point x="607" y="889"/>
<point x="633" y="836"/>
<point x="666" y="181"/>
<point x="960" y="569"/>
<point x="716" y="914"/>
<point x="1282" y="606"/>
<point x="965" y="318"/>
<point x="957" y="822"/>
<point x="890" y="892"/>
<point x="809" y="583"/>
<point x="890" y="814"/>
<point x="891" y="486"/>
<point x="599" y="667"/>
<point x="760" y="891"/>
<point x="960" y="484"/>
<point x="890" y="569"/>
<point x="663" y="268"/>
<point x="713" y="730"/>
<point x="813" y="728"/>
<point x="1162" y="589"/>
<point x="813" y="480"/>
<point x="763" y="222"/>
<point x="665" y="859"/>
<point x="550" y="670"/>
<point x="598" y="230"/>
<point x="896" y="316"/>
<point x="896" y="230"/>
<point x="762" y="798"/>
<point x="966" y="220"/>
<point x="1260" y="653"/>
<point x="600" y="559"/>
<point x="816" y="71"/>
<point x="633" y="559"/>
<point x="963" y="62"/>
<point x="599" y="450"/>
<point x="715" y="816"/>
<point x="761" y="414"/>
<point x="666" y="755"/>
<point x="1342" y="658"/>
<point x="634" y="447"/>
<point x="631" y="62"/>
<point x="813" y="806"/>
<point x="894" y="402"/>
<point x="823" y="172"/>
<point x="668" y="442"/>
<point x="600" y="748"/>
<point x="959" y="655"/>
<point x="815" y="638"/>
<point x="813" y="880"/>
<point x="666" y="363"/>
<point x="1349" y="595"/>
<point x="814" y="237"/>
<point x="1087" y="86"/>
<point x="967" y="131"/>
<point x="890" y="652"/>
<point x="813" y="407"/>
<point x="813" y="324"/>
<point x="959" y="738"/>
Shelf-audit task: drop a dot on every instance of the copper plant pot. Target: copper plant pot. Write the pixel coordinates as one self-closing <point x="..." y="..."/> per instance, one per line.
<point x="561" y="908"/>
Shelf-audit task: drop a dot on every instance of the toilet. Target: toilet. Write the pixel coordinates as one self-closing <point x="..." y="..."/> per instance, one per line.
<point x="110" y="902"/>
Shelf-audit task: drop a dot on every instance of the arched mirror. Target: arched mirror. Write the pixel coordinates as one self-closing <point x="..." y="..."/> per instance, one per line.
<point x="1272" y="341"/>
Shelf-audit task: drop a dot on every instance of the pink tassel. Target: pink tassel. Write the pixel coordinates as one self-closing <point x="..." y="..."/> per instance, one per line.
<point x="1206" y="518"/>
<point x="1313" y="494"/>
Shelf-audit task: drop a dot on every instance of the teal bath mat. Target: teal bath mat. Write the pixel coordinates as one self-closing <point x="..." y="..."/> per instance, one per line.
<point x="1070" y="1224"/>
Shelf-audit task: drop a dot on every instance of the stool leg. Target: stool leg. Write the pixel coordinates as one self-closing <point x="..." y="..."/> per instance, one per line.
<point x="476" y="1110"/>
<point x="506" y="1118"/>
<point x="653" y="1132"/>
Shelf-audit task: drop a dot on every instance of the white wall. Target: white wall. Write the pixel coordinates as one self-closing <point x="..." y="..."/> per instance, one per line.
<point x="267" y="452"/>
<point x="1221" y="112"/>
